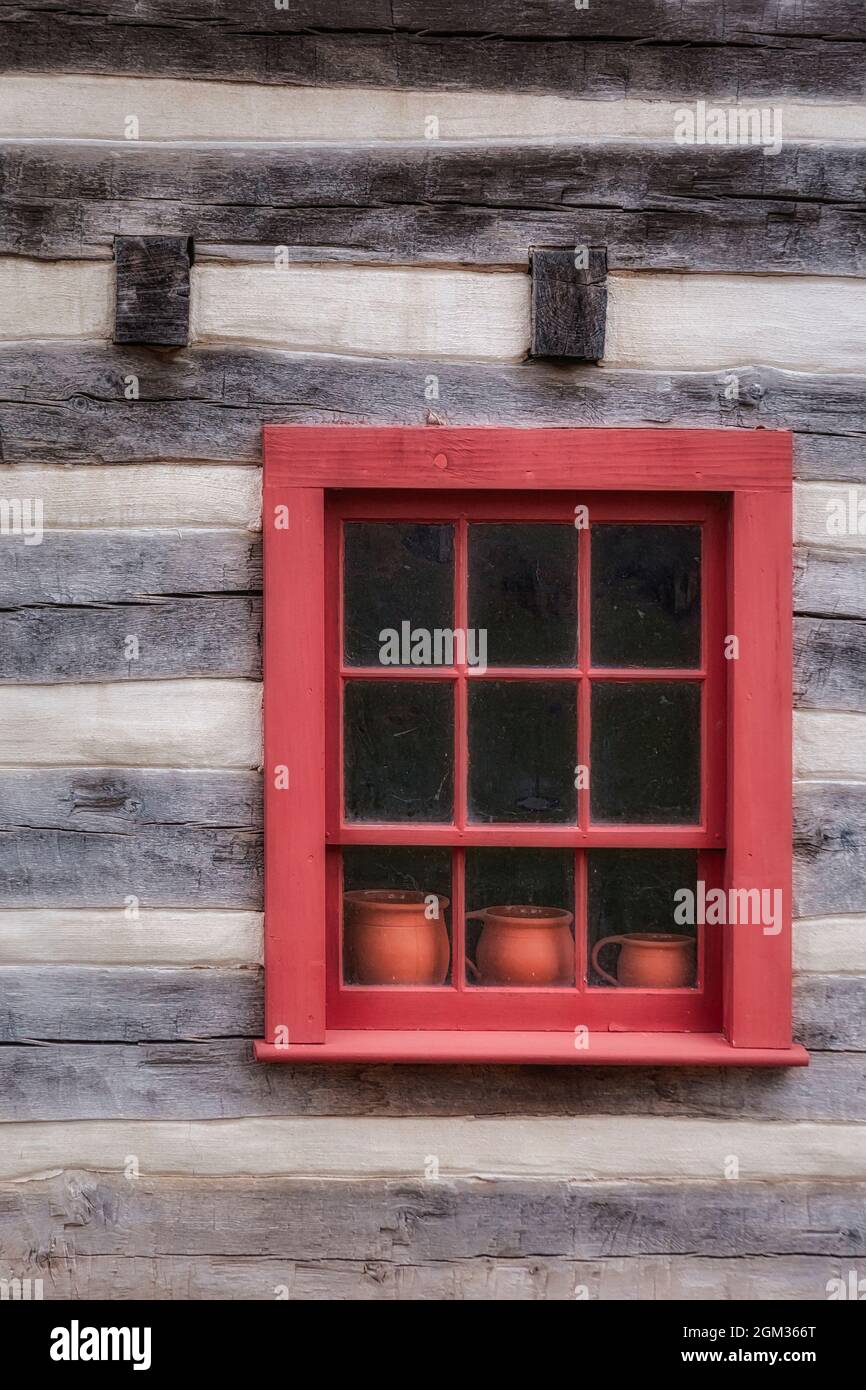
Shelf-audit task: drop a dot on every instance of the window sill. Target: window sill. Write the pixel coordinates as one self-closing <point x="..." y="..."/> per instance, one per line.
<point x="548" y="1049"/>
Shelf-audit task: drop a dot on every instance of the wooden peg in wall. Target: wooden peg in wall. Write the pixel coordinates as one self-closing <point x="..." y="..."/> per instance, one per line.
<point x="152" y="290"/>
<point x="569" y="303"/>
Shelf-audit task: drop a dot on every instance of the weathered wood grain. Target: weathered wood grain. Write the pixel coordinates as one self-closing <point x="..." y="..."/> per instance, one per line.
<point x="569" y="304"/>
<point x="159" y="867"/>
<point x="120" y="1004"/>
<point x="830" y="1012"/>
<point x="129" y="1004"/>
<point x="210" y="1080"/>
<point x="365" y="310"/>
<point x="85" y="107"/>
<point x="829" y="585"/>
<point x="106" y="936"/>
<point x="109" y="1237"/>
<point x="829" y="834"/>
<point x="535" y="1278"/>
<point x="125" y="800"/>
<point x="100" y="837"/>
<point x="74" y="1220"/>
<point x="151" y="290"/>
<point x="182" y="723"/>
<point x="653" y="205"/>
<point x="133" y="641"/>
<point x="757" y="52"/>
<point x="67" y="404"/>
<point x="537" y="1148"/>
<point x="92" y="567"/>
<point x="747" y="22"/>
<point x="829" y="664"/>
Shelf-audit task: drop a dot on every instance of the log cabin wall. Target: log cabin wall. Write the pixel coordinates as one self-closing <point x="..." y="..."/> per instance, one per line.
<point x="408" y="161"/>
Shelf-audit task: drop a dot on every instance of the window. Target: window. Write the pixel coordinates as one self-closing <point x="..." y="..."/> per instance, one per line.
<point x="527" y="745"/>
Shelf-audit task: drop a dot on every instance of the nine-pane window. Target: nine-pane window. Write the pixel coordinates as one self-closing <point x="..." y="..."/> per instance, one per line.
<point x="527" y="759"/>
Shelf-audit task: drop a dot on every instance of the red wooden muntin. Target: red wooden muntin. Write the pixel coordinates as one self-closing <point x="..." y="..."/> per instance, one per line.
<point x="737" y="486"/>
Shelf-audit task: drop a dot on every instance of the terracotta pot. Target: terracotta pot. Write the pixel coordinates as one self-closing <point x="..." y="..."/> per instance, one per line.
<point x="522" y="945"/>
<point x="390" y="940"/>
<point x="649" y="960"/>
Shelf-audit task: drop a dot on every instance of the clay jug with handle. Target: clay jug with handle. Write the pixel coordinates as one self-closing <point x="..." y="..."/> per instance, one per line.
<point x="649" y="960"/>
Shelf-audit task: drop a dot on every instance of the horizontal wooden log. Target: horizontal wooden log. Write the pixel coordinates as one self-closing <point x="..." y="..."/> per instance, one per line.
<point x="74" y="1221"/>
<point x="122" y="566"/>
<point x="535" y="1278"/>
<point x="829" y="664"/>
<point x="830" y="585"/>
<point x="133" y="641"/>
<point x="655" y="206"/>
<point x="123" y="801"/>
<point x="829" y="834"/>
<point x="99" y="838"/>
<point x="99" y="108"/>
<point x="157" y="867"/>
<point x="366" y="310"/>
<point x="220" y="1079"/>
<point x="151" y="290"/>
<point x="67" y="404"/>
<point x="757" y="52"/>
<point x="150" y="936"/>
<point x="590" y="1148"/>
<point x="88" y="1003"/>
<point x="747" y="22"/>
<point x="119" y="1004"/>
<point x="830" y="1012"/>
<point x="137" y="723"/>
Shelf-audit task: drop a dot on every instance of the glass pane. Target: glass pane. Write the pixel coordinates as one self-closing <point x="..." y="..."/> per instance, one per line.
<point x="399" y="758"/>
<point x="520" y="917"/>
<point x="398" y="579"/>
<point x="646" y="595"/>
<point x="396" y="916"/>
<point x="522" y="750"/>
<point x="645" y="752"/>
<point x="523" y="593"/>
<point x="631" y="911"/>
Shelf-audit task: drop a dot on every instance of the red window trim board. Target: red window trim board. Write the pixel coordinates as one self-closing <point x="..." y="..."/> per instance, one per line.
<point x="304" y="467"/>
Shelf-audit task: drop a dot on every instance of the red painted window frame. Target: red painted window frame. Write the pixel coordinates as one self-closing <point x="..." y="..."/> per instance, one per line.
<point x="740" y="482"/>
